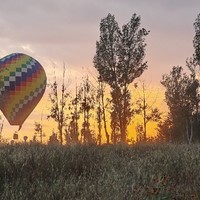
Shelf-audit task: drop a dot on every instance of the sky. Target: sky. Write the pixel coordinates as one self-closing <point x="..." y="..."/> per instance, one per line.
<point x="57" y="32"/>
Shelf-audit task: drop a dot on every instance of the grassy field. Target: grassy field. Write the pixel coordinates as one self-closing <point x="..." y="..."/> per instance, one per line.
<point x="100" y="172"/>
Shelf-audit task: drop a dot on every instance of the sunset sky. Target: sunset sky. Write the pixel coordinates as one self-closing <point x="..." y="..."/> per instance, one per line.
<point x="65" y="31"/>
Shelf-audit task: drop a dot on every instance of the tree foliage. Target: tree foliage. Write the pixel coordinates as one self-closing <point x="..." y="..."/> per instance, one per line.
<point x="72" y="131"/>
<point x="196" y="41"/>
<point x="87" y="101"/>
<point x="165" y="129"/>
<point x="39" y="131"/>
<point x="119" y="60"/>
<point x="181" y="95"/>
<point x="58" y="104"/>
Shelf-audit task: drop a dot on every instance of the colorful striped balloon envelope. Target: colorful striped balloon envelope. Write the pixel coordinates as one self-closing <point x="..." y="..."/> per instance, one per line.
<point x="22" y="85"/>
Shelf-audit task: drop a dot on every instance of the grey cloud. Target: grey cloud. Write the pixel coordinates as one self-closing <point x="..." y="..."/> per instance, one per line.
<point x="45" y="21"/>
<point x="68" y="29"/>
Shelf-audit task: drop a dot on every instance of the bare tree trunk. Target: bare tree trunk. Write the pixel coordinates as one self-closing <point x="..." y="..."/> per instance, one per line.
<point x="41" y="135"/>
<point x="41" y="130"/>
<point x="189" y="130"/>
<point x="62" y="108"/>
<point x="84" y="123"/>
<point x="124" y="123"/>
<point x="144" y="114"/>
<point x="191" y="135"/>
<point x="60" y="133"/>
<point x="104" y="114"/>
<point x="1" y="129"/>
<point x="114" y="136"/>
<point x="99" y="125"/>
<point x="76" y="118"/>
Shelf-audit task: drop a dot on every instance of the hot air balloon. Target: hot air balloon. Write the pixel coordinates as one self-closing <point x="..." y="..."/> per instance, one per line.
<point x="22" y="85"/>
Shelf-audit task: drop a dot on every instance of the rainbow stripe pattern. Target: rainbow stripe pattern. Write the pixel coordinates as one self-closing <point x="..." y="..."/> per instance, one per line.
<point x="22" y="85"/>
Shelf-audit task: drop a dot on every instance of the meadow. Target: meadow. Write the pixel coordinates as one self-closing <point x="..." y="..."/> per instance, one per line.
<point x="108" y="172"/>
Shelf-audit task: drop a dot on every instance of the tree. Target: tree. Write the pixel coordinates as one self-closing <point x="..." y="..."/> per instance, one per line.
<point x="87" y="100"/>
<point x="39" y="131"/>
<point x="179" y="97"/>
<point x="53" y="140"/>
<point x="193" y="64"/>
<point x="182" y="93"/>
<point x="57" y="111"/>
<point x="72" y="132"/>
<point x="1" y="128"/>
<point x="147" y="111"/>
<point x="193" y="126"/>
<point x="119" y="60"/>
<point x="25" y="138"/>
<point x="165" y="129"/>
<point x="196" y="41"/>
<point x="101" y="110"/>
<point x="139" y="132"/>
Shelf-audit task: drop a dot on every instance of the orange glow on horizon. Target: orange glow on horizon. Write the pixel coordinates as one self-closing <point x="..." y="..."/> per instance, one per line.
<point x="73" y="78"/>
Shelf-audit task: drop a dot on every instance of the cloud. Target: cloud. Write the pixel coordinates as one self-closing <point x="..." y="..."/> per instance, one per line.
<point x="67" y="30"/>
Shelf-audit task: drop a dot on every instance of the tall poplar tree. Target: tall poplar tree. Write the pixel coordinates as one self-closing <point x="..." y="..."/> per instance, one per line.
<point x="196" y="41"/>
<point x="87" y="100"/>
<point x="58" y="105"/>
<point x="119" y="60"/>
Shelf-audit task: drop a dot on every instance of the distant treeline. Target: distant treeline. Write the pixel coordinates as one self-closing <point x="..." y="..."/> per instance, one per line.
<point x="182" y="97"/>
<point x="119" y="60"/>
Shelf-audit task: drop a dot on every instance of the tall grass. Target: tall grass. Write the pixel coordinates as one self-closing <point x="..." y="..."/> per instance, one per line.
<point x="152" y="171"/>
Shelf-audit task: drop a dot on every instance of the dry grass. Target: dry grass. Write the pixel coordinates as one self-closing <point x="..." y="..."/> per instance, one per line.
<point x="150" y="171"/>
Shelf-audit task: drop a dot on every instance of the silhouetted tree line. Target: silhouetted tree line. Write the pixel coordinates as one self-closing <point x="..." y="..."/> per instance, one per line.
<point x="119" y="60"/>
<point x="182" y="97"/>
